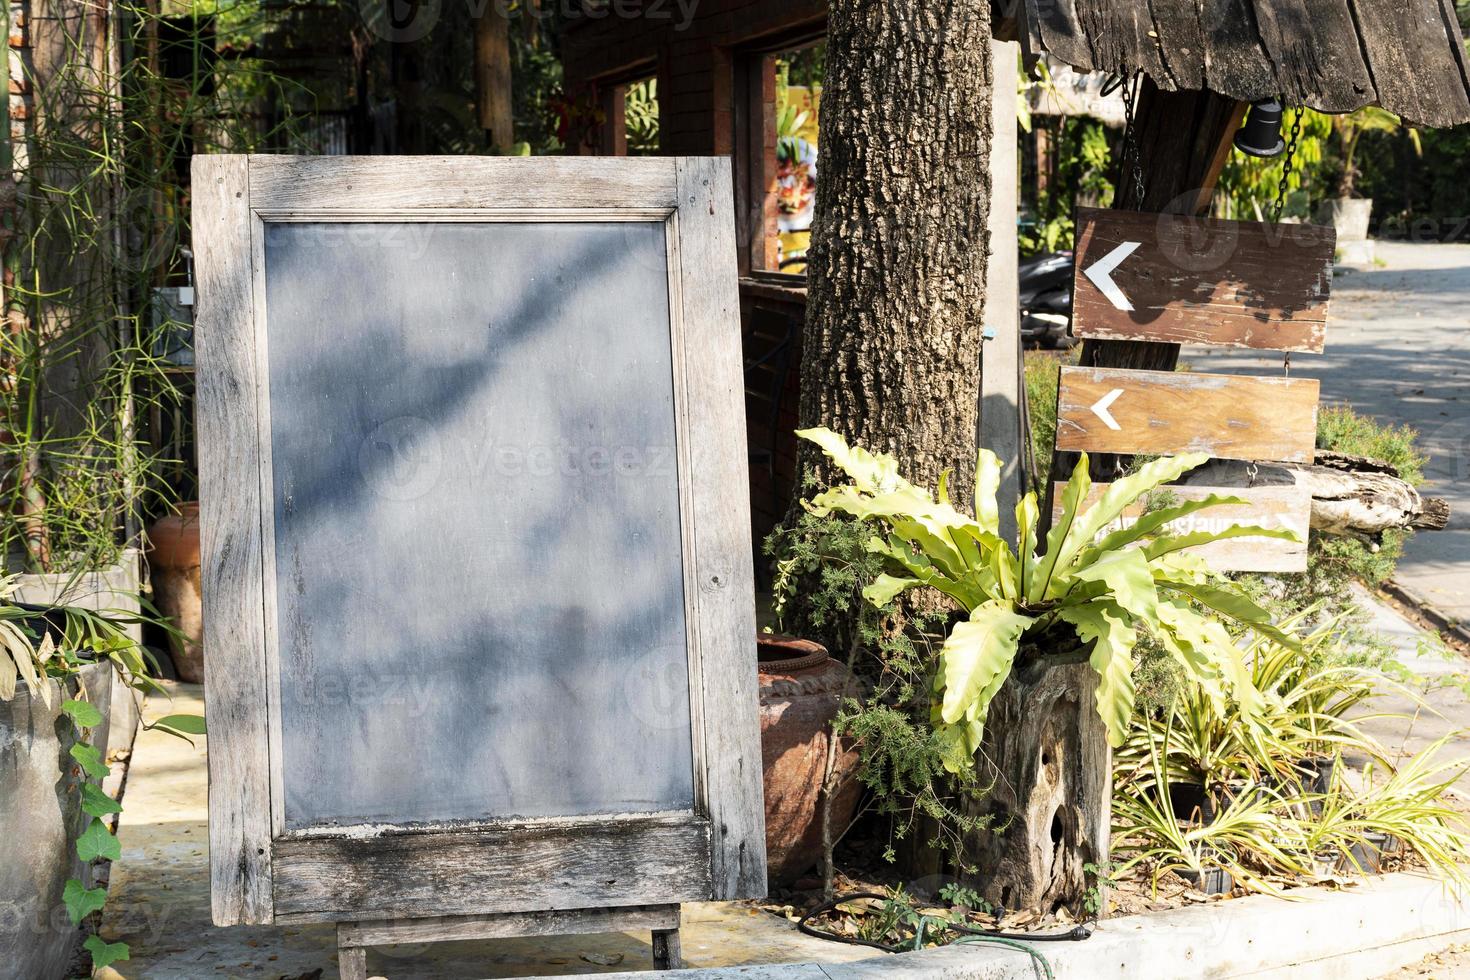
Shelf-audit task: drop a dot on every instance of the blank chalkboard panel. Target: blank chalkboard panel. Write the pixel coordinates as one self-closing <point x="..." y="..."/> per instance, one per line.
<point x="479" y="599"/>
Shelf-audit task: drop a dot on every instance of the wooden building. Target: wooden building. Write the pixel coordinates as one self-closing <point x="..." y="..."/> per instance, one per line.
<point x="716" y="73"/>
<point x="714" y="63"/>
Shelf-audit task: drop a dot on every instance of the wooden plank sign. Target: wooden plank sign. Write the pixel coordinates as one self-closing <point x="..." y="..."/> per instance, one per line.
<point x="1187" y="280"/>
<point x="1106" y="410"/>
<point x="479" y="597"/>
<point x="1271" y="507"/>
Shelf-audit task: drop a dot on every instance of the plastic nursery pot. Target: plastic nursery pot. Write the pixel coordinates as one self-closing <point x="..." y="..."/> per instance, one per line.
<point x="1316" y="779"/>
<point x="1366" y="856"/>
<point x="1191" y="804"/>
<point x="1213" y="881"/>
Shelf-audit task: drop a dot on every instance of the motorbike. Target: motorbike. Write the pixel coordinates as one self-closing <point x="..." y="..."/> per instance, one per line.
<point x="1046" y="301"/>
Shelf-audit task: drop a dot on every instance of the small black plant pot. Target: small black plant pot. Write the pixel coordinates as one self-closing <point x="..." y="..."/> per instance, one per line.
<point x="1214" y="881"/>
<point x="1316" y="779"/>
<point x="1191" y="803"/>
<point x="1366" y="856"/>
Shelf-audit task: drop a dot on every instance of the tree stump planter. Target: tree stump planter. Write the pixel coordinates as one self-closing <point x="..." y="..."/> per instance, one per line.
<point x="1046" y="753"/>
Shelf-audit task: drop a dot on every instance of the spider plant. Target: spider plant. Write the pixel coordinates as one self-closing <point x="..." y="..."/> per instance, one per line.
<point x="1250" y="837"/>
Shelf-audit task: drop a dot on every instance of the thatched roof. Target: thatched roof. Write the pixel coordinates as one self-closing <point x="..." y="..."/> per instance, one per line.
<point x="1334" y="55"/>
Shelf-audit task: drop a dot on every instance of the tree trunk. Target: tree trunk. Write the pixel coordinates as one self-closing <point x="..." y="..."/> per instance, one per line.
<point x="1046" y="754"/>
<point x="896" y="272"/>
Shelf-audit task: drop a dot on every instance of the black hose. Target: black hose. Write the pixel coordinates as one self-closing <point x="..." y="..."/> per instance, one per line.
<point x="1075" y="934"/>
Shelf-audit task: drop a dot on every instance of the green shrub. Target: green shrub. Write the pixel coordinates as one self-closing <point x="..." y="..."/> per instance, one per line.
<point x="892" y="649"/>
<point x="1344" y="430"/>
<point x="1041" y="372"/>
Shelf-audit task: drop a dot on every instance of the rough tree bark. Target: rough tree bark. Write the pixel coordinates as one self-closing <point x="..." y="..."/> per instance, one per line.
<point x="896" y="272"/>
<point x="1046" y="760"/>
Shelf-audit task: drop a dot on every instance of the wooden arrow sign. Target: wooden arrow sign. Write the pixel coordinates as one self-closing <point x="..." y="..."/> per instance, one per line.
<point x="1271" y="507"/>
<point x="1188" y="280"/>
<point x="1104" y="410"/>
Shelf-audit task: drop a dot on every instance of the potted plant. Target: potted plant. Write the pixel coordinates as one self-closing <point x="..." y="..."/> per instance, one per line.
<point x="1347" y="212"/>
<point x="58" y="670"/>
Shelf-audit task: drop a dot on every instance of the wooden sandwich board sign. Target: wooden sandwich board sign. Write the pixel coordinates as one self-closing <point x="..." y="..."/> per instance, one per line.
<point x="476" y="565"/>
<point x="1108" y="410"/>
<point x="1271" y="507"/>
<point x="1187" y="280"/>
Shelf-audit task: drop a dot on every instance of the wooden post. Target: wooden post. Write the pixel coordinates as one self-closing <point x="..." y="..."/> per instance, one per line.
<point x="666" y="952"/>
<point x="1045" y="749"/>
<point x="1000" y="355"/>
<point x="351" y="960"/>
<point x="492" y="76"/>
<point x="613" y="134"/>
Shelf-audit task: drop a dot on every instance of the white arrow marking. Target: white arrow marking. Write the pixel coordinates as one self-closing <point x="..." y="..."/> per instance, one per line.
<point x="1100" y="409"/>
<point x="1101" y="274"/>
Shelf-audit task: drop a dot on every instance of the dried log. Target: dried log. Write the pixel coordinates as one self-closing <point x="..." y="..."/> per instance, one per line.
<point x="1046" y="758"/>
<point x="1351" y="495"/>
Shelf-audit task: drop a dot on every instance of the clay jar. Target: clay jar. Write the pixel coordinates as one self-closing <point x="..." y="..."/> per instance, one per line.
<point x="173" y="562"/>
<point x="801" y="689"/>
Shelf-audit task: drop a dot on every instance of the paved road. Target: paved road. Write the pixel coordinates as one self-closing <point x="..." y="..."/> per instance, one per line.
<point x="1398" y="348"/>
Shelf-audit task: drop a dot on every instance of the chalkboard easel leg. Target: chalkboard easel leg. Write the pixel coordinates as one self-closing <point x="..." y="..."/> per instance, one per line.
<point x="666" y="953"/>
<point x="351" y="960"/>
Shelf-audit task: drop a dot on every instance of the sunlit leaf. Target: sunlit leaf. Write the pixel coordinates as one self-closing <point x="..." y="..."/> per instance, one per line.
<point x="90" y="760"/>
<point x="1106" y="626"/>
<point x="97" y="803"/>
<point x="82" y="901"/>
<point x="103" y="952"/>
<point x="96" y="842"/>
<point x="83" y="714"/>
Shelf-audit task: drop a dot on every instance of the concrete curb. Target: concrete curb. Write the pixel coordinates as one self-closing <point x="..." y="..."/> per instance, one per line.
<point x="1439" y="620"/>
<point x="1358" y="933"/>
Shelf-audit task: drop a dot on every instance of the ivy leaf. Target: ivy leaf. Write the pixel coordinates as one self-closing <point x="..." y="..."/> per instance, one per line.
<point x="90" y="760"/>
<point x="82" y="901"/>
<point x="97" y="803"/>
<point x="180" y="725"/>
<point x="96" y="842"/>
<point x="82" y="713"/>
<point x="104" y="953"/>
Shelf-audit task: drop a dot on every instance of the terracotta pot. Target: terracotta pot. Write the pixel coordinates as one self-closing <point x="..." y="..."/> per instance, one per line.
<point x="173" y="562"/>
<point x="801" y="689"/>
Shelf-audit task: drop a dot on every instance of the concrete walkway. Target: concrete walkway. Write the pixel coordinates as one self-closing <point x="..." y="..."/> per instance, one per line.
<point x="1398" y="348"/>
<point x="159" y="904"/>
<point x="1402" y="724"/>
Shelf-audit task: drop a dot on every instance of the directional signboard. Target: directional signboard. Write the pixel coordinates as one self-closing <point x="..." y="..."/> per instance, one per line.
<point x="1105" y="410"/>
<point x="1271" y="507"/>
<point x="1188" y="280"/>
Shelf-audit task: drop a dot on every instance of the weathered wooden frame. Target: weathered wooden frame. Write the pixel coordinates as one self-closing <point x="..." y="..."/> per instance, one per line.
<point x="259" y="872"/>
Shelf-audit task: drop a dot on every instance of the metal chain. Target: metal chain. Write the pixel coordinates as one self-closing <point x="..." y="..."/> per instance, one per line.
<point x="1287" y="165"/>
<point x="1130" y="136"/>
